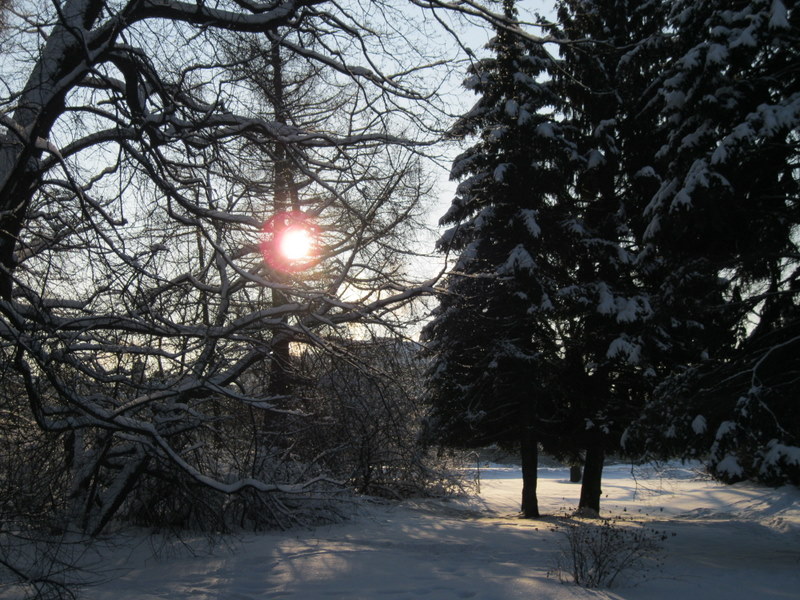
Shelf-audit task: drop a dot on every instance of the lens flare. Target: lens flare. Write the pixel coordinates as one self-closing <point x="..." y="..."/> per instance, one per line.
<point x="289" y="241"/>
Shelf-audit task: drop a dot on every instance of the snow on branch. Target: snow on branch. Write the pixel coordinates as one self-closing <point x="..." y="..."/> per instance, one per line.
<point x="256" y="17"/>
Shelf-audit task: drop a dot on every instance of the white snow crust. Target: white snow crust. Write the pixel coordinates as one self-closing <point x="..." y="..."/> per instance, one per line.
<point x="739" y="542"/>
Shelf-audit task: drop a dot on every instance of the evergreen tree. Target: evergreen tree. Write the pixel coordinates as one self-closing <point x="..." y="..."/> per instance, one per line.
<point x="610" y="56"/>
<point x="541" y="328"/>
<point x="722" y="238"/>
<point x="487" y="384"/>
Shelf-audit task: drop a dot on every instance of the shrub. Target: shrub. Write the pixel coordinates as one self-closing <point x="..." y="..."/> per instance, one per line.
<point x="595" y="555"/>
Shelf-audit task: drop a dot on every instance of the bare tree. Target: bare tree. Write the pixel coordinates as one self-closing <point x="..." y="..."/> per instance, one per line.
<point x="136" y="173"/>
<point x="368" y="403"/>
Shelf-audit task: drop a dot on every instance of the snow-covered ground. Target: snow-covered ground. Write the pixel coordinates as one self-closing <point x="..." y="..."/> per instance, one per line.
<point x="738" y="542"/>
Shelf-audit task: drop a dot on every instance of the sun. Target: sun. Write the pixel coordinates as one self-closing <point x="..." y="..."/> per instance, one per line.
<point x="296" y="243"/>
<point x="290" y="241"/>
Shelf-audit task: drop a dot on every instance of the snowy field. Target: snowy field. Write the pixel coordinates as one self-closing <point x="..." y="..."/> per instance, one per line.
<point x="739" y="542"/>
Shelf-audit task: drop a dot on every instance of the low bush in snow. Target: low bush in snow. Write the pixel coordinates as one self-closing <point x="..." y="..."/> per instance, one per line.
<point x="596" y="555"/>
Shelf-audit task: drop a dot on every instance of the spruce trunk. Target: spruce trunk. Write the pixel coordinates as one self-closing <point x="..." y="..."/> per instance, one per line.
<point x="529" y="450"/>
<point x="592" y="479"/>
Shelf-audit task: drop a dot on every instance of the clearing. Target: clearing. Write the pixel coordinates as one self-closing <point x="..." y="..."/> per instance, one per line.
<point x="730" y="543"/>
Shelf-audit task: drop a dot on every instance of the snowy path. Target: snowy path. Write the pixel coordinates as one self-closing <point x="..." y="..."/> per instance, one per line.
<point x="732" y="543"/>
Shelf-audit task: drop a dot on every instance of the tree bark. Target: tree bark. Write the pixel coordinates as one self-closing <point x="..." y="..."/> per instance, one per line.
<point x="592" y="479"/>
<point x="280" y="365"/>
<point x="285" y="198"/>
<point x="529" y="450"/>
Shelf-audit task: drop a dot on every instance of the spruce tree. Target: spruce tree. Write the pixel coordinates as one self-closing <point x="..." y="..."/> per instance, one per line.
<point x="611" y="51"/>
<point x="487" y="384"/>
<point x="541" y="327"/>
<point x="723" y="237"/>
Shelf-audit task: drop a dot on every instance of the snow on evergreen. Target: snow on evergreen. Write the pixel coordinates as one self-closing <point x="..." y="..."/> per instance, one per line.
<point x="722" y="234"/>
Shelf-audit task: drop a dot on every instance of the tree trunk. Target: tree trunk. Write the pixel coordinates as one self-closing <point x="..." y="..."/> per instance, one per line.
<point x="280" y="367"/>
<point x="285" y="198"/>
<point x="62" y="59"/>
<point x="529" y="450"/>
<point x="592" y="479"/>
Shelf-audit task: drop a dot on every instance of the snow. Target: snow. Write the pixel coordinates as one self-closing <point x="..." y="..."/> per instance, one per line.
<point x="519" y="259"/>
<point x="595" y="159"/>
<point x="745" y="38"/>
<point x="723" y="543"/>
<point x="496" y="133"/>
<point x="691" y="60"/>
<point x="529" y="218"/>
<point x="483" y="217"/>
<point x="604" y="126"/>
<point x="512" y="108"/>
<point x="777" y="452"/>
<point x="626" y="310"/>
<point x="623" y="346"/>
<point x="645" y="172"/>
<point x="717" y="54"/>
<point x="500" y="171"/>
<point x="730" y="466"/>
<point x="545" y="130"/>
<point x="724" y="429"/>
<point x="778" y="16"/>
<point x="699" y="425"/>
<point x="777" y="118"/>
<point x="466" y="186"/>
<point x="606" y="305"/>
<point x="546" y="304"/>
